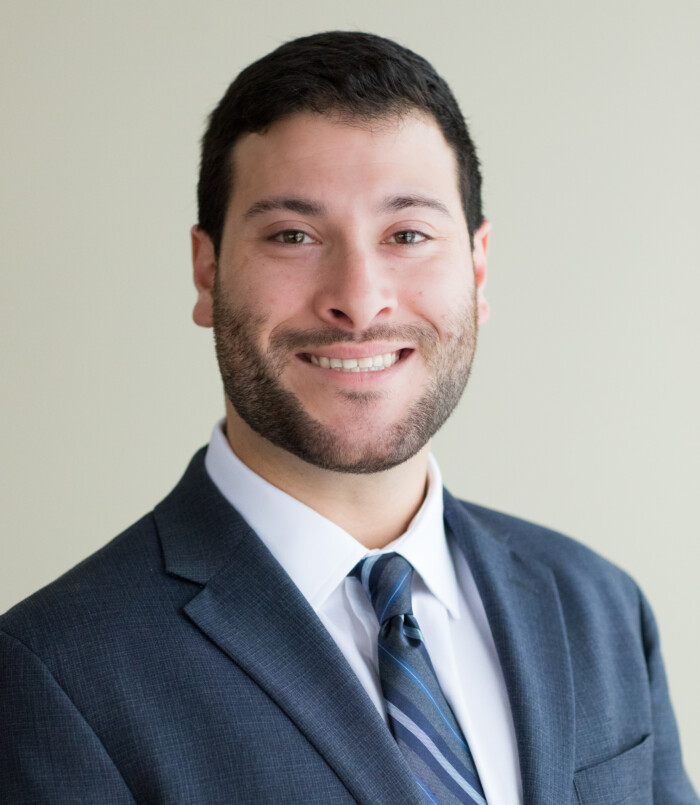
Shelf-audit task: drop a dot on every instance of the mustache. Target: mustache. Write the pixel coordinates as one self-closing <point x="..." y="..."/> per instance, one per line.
<point x="327" y="336"/>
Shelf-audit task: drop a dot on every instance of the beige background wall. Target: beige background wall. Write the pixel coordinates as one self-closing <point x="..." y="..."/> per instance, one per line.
<point x="582" y="410"/>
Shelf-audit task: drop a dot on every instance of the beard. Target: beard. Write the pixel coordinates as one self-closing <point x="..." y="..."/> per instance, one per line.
<point x="252" y="383"/>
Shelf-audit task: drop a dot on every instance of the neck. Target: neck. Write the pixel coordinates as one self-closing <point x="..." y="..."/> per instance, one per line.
<point x="373" y="508"/>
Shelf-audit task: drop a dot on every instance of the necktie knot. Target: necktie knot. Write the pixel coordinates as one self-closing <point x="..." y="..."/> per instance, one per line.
<point x="386" y="579"/>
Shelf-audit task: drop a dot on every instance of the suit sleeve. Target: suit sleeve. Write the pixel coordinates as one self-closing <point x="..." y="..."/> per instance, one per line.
<point x="48" y="752"/>
<point x="671" y="783"/>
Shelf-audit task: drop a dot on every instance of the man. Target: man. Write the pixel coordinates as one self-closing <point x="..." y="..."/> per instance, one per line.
<point x="241" y="643"/>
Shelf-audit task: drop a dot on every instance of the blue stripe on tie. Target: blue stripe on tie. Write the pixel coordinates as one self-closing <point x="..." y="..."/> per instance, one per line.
<point x="419" y="742"/>
<point x="400" y="584"/>
<point x="422" y="721"/>
<point x="443" y="784"/>
<point x="411" y="734"/>
<point x="367" y="565"/>
<point x="414" y="676"/>
<point x="377" y="565"/>
<point x="425" y="790"/>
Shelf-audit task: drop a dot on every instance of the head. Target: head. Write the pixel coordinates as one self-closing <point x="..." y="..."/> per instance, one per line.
<point x="352" y="75"/>
<point x="340" y="254"/>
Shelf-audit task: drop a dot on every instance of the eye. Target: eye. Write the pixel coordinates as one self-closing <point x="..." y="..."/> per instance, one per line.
<point x="293" y="237"/>
<point x="409" y="237"/>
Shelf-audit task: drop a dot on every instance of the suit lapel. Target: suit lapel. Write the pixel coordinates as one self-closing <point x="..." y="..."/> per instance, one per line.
<point x="252" y="610"/>
<point x="524" y="612"/>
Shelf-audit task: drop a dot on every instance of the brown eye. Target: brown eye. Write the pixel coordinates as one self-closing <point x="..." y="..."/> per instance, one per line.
<point x="409" y="237"/>
<point x="292" y="236"/>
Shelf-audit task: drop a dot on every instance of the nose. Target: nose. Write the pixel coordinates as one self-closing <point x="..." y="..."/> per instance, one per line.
<point x="357" y="289"/>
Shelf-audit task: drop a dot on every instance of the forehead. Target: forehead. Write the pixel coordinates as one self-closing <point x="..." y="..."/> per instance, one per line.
<point x="331" y="155"/>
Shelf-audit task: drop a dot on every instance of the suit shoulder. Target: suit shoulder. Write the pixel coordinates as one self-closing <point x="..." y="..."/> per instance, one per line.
<point x="563" y="554"/>
<point x="108" y="581"/>
<point x="122" y="590"/>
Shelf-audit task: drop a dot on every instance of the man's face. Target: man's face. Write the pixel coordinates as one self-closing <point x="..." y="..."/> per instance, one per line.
<point x="344" y="300"/>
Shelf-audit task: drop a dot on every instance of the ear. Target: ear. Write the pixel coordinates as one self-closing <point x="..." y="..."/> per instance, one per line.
<point x="480" y="250"/>
<point x="204" y="274"/>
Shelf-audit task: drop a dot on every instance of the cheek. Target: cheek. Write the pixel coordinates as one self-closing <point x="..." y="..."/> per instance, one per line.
<point x="259" y="288"/>
<point x="440" y="301"/>
<point x="440" y="284"/>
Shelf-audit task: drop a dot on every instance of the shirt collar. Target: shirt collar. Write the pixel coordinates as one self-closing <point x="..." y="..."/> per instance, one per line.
<point x="315" y="552"/>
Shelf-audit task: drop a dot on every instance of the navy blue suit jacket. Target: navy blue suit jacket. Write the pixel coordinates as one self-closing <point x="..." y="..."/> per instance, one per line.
<point x="180" y="664"/>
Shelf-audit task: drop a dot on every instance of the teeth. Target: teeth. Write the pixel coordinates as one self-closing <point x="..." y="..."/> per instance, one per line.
<point x="373" y="363"/>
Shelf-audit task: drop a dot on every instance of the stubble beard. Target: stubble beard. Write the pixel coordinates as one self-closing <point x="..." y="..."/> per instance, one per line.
<point x="252" y="384"/>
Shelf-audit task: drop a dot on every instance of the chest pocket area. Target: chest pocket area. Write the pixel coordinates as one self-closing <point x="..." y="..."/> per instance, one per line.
<point x="623" y="780"/>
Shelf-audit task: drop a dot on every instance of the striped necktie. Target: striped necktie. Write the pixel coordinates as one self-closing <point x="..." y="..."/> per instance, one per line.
<point x="419" y="716"/>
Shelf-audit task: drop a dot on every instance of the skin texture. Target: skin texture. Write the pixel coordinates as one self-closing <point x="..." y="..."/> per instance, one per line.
<point x="343" y="239"/>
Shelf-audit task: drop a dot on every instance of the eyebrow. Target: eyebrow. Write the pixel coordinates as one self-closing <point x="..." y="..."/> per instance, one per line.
<point x="299" y="205"/>
<point x="403" y="202"/>
<point x="304" y="206"/>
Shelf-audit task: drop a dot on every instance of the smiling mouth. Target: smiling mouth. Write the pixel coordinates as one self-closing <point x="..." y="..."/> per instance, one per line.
<point x="370" y="363"/>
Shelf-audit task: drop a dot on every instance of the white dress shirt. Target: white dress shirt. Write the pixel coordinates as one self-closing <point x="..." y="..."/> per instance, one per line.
<point x="318" y="555"/>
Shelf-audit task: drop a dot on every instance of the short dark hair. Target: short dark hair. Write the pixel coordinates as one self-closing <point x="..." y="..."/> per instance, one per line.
<point x="356" y="75"/>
